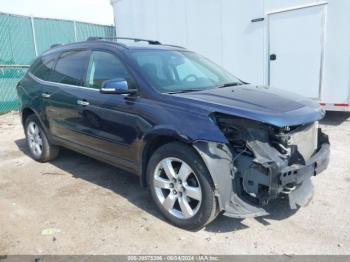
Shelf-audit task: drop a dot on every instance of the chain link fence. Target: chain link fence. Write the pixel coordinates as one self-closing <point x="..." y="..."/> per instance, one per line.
<point x="23" y="38"/>
<point x="9" y="77"/>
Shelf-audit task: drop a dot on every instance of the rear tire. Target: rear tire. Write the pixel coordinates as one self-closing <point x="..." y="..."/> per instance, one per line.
<point x="39" y="146"/>
<point x="181" y="186"/>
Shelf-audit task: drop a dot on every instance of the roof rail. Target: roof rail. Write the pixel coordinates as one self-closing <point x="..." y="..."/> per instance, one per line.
<point x="151" y="42"/>
<point x="55" y="45"/>
<point x="177" y="46"/>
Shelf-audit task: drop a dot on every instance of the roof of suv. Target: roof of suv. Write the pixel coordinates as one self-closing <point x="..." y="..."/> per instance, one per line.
<point x="138" y="44"/>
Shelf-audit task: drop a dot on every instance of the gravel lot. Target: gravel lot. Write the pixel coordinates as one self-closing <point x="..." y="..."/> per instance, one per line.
<point x="76" y="205"/>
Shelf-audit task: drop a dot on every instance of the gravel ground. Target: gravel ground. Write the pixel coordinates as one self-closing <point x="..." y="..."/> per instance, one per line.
<point x="76" y="205"/>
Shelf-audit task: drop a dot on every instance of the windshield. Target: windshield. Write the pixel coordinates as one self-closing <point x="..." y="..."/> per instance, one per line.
<point x="181" y="71"/>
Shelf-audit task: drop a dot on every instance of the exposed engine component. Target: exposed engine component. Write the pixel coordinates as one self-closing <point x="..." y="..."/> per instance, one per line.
<point x="267" y="158"/>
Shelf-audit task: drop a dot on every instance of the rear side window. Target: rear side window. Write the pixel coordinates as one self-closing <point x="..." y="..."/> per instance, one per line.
<point x="42" y="67"/>
<point x="70" y="67"/>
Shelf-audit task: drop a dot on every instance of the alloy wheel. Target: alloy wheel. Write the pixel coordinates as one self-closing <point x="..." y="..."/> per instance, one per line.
<point x="34" y="138"/>
<point x="177" y="188"/>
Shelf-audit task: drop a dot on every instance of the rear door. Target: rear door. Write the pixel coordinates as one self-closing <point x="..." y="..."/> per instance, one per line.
<point x="63" y="101"/>
<point x="296" y="50"/>
<point x="41" y="71"/>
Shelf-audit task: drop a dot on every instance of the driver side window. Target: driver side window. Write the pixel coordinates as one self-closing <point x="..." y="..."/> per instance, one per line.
<point x="105" y="66"/>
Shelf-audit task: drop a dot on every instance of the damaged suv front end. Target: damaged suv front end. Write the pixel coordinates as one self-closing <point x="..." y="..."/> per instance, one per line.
<point x="262" y="162"/>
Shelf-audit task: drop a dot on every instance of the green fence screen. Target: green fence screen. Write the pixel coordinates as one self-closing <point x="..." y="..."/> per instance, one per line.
<point x="23" y="38"/>
<point x="9" y="77"/>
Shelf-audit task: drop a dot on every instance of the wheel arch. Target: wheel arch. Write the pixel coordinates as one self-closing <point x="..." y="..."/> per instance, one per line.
<point x="158" y="139"/>
<point x="154" y="140"/>
<point x="27" y="111"/>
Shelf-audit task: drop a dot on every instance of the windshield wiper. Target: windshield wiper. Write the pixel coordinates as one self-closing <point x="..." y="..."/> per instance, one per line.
<point x="184" y="91"/>
<point x="230" y="84"/>
<point x="194" y="89"/>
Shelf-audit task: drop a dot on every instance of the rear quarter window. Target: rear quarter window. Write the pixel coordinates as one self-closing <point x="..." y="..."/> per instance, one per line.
<point x="42" y="67"/>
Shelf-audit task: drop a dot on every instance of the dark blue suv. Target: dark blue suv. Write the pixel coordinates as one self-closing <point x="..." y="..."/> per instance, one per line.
<point x="202" y="140"/>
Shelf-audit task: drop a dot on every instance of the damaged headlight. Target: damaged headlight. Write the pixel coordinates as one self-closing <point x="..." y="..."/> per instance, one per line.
<point x="295" y="143"/>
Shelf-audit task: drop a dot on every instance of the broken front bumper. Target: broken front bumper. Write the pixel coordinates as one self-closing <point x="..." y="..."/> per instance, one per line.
<point x="299" y="176"/>
<point x="293" y="181"/>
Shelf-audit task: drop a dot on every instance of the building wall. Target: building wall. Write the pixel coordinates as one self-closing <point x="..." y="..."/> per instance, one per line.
<point x="219" y="29"/>
<point x="336" y="70"/>
<point x="222" y="30"/>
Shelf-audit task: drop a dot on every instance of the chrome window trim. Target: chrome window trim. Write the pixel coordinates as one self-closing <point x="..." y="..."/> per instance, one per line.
<point x="45" y="82"/>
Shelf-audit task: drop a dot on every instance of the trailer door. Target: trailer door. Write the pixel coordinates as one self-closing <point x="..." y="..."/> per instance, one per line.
<point x="295" y="49"/>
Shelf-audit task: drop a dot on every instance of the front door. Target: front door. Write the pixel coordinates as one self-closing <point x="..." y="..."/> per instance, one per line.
<point x="296" y="50"/>
<point x="108" y="122"/>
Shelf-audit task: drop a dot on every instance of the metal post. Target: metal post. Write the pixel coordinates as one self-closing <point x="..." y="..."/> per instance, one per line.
<point x="34" y="36"/>
<point x="75" y="31"/>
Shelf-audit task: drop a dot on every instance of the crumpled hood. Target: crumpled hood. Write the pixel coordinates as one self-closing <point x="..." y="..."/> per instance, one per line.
<point x="265" y="104"/>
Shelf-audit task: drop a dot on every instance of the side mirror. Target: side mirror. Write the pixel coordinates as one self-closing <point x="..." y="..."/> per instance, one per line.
<point x="116" y="86"/>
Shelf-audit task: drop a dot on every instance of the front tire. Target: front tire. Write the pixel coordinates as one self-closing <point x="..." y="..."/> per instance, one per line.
<point x="181" y="186"/>
<point x="39" y="146"/>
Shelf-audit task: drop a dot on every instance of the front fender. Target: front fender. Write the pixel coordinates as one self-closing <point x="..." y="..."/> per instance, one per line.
<point x="219" y="161"/>
<point x="168" y="131"/>
<point x="147" y="141"/>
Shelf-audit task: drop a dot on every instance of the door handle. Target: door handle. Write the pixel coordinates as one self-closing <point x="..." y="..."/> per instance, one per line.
<point x="273" y="57"/>
<point x="83" y="102"/>
<point x="46" y="95"/>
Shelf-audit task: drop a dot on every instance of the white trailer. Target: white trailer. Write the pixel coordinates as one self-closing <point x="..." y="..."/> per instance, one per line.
<point x="301" y="46"/>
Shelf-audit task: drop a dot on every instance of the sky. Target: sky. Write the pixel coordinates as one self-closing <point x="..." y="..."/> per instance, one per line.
<point x="92" y="11"/>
